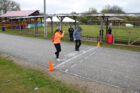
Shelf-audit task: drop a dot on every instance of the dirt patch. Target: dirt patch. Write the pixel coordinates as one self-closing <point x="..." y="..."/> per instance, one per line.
<point x="84" y="85"/>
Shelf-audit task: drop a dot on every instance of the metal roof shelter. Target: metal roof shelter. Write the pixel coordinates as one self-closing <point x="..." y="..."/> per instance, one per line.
<point x="97" y="14"/>
<point x="104" y="17"/>
<point x="115" y="19"/>
<point x="21" y="13"/>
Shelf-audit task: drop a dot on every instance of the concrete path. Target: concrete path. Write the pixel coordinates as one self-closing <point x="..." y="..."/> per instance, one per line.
<point x="113" y="67"/>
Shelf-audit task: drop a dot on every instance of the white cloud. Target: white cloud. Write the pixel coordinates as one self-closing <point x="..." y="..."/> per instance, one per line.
<point x="67" y="6"/>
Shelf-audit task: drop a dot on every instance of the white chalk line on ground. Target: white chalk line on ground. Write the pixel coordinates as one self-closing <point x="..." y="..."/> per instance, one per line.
<point x="85" y="58"/>
<point x="74" y="57"/>
<point x="81" y="61"/>
<point x="72" y="66"/>
<point x="66" y="70"/>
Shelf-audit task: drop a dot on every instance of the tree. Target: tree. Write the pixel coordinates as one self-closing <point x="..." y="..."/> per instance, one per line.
<point x="89" y="19"/>
<point x="8" y="5"/>
<point x="92" y="10"/>
<point x="112" y="9"/>
<point x="73" y="12"/>
<point x="133" y="20"/>
<point x="92" y="19"/>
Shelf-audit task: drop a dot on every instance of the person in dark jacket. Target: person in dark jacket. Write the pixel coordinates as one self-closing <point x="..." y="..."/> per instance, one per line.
<point x="71" y="30"/>
<point x="109" y="30"/>
<point x="77" y="38"/>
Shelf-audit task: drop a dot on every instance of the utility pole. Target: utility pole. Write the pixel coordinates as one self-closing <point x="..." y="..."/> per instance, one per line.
<point x="45" y="24"/>
<point x="102" y="31"/>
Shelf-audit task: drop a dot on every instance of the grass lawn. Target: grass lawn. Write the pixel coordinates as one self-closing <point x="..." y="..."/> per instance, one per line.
<point x="89" y="30"/>
<point x="15" y="79"/>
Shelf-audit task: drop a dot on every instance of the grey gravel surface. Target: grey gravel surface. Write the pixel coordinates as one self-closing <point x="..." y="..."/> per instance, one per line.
<point x="113" y="67"/>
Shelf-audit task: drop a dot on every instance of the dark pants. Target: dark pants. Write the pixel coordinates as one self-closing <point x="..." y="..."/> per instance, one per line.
<point x="71" y="36"/>
<point x="77" y="44"/>
<point x="58" y="50"/>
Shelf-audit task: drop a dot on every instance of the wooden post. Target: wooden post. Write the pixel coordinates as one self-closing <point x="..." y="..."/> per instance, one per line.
<point x="12" y="27"/>
<point x="40" y="20"/>
<point x="114" y="37"/>
<point x="36" y="28"/>
<point x="27" y="24"/>
<point x="129" y="39"/>
<point x="19" y="25"/>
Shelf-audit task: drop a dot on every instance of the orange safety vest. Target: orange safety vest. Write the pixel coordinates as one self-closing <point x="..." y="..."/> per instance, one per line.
<point x="57" y="37"/>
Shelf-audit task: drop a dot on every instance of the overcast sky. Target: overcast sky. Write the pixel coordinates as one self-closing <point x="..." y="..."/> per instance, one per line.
<point x="68" y="6"/>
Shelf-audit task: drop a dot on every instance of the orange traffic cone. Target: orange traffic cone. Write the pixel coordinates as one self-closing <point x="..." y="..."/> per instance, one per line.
<point x="50" y="66"/>
<point x="98" y="44"/>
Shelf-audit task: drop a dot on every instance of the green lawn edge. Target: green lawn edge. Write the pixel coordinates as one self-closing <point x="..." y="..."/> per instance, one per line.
<point x="16" y="79"/>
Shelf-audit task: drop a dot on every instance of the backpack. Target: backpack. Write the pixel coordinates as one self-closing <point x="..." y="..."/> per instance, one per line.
<point x="53" y="38"/>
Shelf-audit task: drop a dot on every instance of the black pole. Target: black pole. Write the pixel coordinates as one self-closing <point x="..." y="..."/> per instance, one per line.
<point x="106" y="25"/>
<point x="51" y="25"/>
<point x="75" y="18"/>
<point x="61" y="20"/>
<point x="102" y="31"/>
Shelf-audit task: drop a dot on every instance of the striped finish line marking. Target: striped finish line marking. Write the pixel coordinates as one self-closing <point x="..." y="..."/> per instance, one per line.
<point x="74" y="58"/>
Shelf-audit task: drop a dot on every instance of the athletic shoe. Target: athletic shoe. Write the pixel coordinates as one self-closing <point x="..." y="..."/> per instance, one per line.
<point x="58" y="59"/>
<point x="77" y="50"/>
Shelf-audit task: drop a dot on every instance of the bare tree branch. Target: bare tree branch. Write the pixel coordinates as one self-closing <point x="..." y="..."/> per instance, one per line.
<point x="8" y="5"/>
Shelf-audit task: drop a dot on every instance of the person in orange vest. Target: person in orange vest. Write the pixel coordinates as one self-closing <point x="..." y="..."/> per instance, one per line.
<point x="57" y="40"/>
